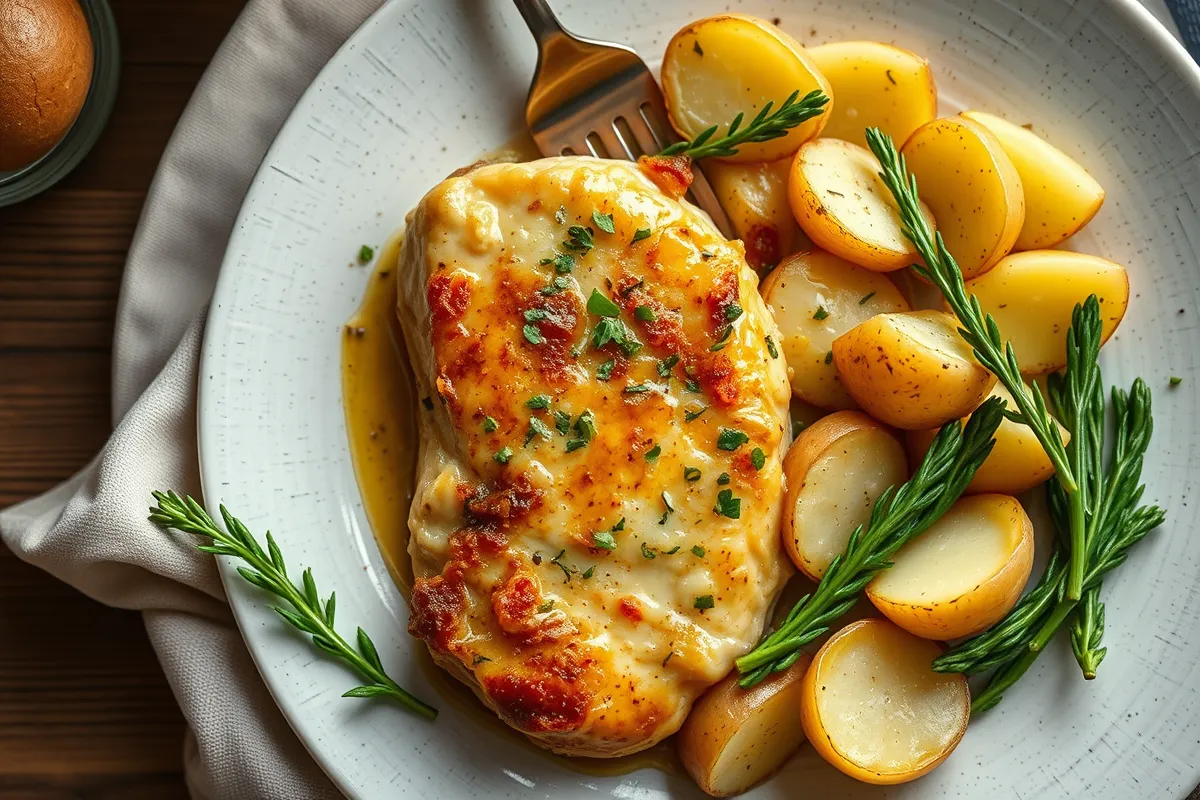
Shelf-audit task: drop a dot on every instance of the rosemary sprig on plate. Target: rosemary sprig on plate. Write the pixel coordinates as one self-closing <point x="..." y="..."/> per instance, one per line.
<point x="764" y="127"/>
<point x="900" y="514"/>
<point x="268" y="571"/>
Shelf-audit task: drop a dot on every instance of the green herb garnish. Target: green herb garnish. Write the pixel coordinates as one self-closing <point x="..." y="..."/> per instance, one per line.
<point x="704" y="602"/>
<point x="653" y="452"/>
<point x="533" y="335"/>
<point x="604" y="222"/>
<point x="538" y="401"/>
<point x="490" y="425"/>
<point x="503" y="454"/>
<point x="645" y="314"/>
<point x="728" y="505"/>
<point x="691" y="474"/>
<point x="764" y="127"/>
<point x="731" y="439"/>
<point x="758" y="458"/>
<point x="604" y="540"/>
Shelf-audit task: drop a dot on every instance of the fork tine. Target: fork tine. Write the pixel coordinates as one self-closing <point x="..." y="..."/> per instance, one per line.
<point x="607" y="134"/>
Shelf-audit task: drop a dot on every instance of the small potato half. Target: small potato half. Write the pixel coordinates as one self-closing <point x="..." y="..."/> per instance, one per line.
<point x="843" y="205"/>
<point x="755" y="197"/>
<point x="972" y="187"/>
<point x="1060" y="196"/>
<point x="815" y="297"/>
<point x="1032" y="295"/>
<point x="719" y="67"/>
<point x="911" y="370"/>
<point x="734" y="738"/>
<point x="877" y="86"/>
<point x="836" y="470"/>
<point x="963" y="574"/>
<point x="873" y="708"/>
<point x="1017" y="462"/>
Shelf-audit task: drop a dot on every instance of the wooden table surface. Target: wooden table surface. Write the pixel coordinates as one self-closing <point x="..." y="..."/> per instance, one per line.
<point x="84" y="709"/>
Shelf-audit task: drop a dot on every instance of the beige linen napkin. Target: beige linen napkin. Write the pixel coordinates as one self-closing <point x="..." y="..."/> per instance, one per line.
<point x="92" y="531"/>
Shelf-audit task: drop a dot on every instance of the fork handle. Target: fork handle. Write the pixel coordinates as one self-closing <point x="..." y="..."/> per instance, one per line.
<point x="540" y="19"/>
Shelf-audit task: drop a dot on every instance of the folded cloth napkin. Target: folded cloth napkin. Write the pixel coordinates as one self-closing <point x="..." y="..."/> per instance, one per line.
<point x="238" y="745"/>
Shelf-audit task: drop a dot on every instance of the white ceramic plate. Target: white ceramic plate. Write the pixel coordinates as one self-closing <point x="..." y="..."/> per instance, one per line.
<point x="427" y="85"/>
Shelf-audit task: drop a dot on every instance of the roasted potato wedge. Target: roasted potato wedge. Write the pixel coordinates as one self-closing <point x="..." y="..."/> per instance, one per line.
<point x="734" y="738"/>
<point x="972" y="188"/>
<point x="911" y="370"/>
<point x="836" y="470"/>
<point x="755" y="197"/>
<point x="873" y="708"/>
<point x="1032" y="294"/>
<point x="1060" y="196"/>
<point x="963" y="574"/>
<point x="843" y="205"/>
<point x="877" y="86"/>
<point x="815" y="297"/>
<point x="1017" y="462"/>
<point x="719" y="67"/>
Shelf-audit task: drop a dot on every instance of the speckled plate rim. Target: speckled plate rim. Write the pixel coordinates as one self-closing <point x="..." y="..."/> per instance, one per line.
<point x="271" y="438"/>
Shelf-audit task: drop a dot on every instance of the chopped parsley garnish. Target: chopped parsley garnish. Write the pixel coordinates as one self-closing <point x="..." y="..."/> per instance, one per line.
<point x="538" y="401"/>
<point x="820" y="314"/>
<point x="533" y="335"/>
<point x="654" y="452"/>
<point x="666" y="498"/>
<point x="865" y="298"/>
<point x="365" y="254"/>
<point x="728" y="505"/>
<point x="638" y="388"/>
<point x="1175" y="380"/>
<point x="758" y="458"/>
<point x="692" y="386"/>
<point x="490" y="425"/>
<point x="697" y="49"/>
<point x="639" y="234"/>
<point x="620" y="526"/>
<point x="559" y="284"/>
<point x="560" y="216"/>
<point x="614" y="330"/>
<point x="732" y="312"/>
<point x="667" y="364"/>
<point x="428" y="403"/>
<point x="704" y="602"/>
<point x="601" y="306"/>
<point x="545" y="607"/>
<point x="698" y="551"/>
<point x="672" y="551"/>
<point x="478" y="659"/>
<point x="503" y="454"/>
<point x="645" y="314"/>
<point x="723" y="479"/>
<point x="589" y="572"/>
<point x="691" y="474"/>
<point x="536" y="428"/>
<point x="581" y="239"/>
<point x="557" y="561"/>
<point x="604" y="222"/>
<point x="688" y="416"/>
<point x="536" y="314"/>
<point x="604" y="540"/>
<point x="564" y="263"/>
<point x="562" y="422"/>
<point x="575" y="444"/>
<point x="647" y="552"/>
<point x="797" y="427"/>
<point x="731" y="439"/>
<point x="604" y="371"/>
<point x="771" y="348"/>
<point x="724" y="340"/>
<point x="829" y="357"/>
<point x="585" y="429"/>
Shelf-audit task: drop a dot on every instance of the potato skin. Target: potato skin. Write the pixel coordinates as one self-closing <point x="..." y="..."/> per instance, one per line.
<point x="817" y="736"/>
<point x="904" y="381"/>
<point x="721" y="711"/>
<point x="1016" y="464"/>
<point x="809" y="446"/>
<point x="979" y="608"/>
<point x="971" y="186"/>
<point x="1031" y="296"/>
<point x="768" y="65"/>
<point x="1060" y="196"/>
<point x="848" y="295"/>
<point x="754" y="197"/>
<point x="877" y="85"/>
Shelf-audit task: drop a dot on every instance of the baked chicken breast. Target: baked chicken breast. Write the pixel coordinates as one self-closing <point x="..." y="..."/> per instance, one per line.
<point x="595" y="531"/>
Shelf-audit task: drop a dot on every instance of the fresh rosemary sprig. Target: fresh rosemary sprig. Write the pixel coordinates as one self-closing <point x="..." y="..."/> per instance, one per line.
<point x="898" y="515"/>
<point x="268" y="571"/>
<point x="982" y="333"/>
<point x="762" y="128"/>
<point x="1114" y="522"/>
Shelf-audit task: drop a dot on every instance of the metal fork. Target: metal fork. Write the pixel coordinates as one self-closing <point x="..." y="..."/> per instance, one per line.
<point x="598" y="98"/>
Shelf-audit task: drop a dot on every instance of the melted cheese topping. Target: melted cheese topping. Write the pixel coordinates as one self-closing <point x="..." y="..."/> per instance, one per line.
<point x="589" y="650"/>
